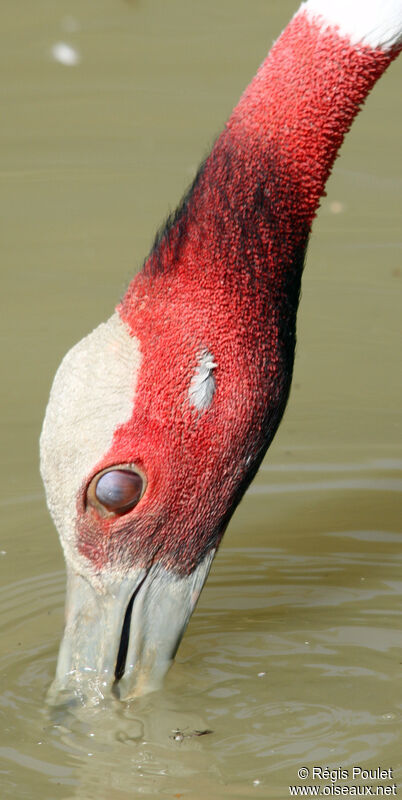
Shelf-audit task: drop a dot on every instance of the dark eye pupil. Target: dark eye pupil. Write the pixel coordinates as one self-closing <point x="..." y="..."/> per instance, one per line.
<point x="119" y="490"/>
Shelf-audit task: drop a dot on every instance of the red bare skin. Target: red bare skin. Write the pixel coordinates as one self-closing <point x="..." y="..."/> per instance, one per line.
<point x="225" y="276"/>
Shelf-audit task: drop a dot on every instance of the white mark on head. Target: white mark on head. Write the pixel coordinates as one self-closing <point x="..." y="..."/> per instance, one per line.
<point x="202" y="386"/>
<point x="92" y="394"/>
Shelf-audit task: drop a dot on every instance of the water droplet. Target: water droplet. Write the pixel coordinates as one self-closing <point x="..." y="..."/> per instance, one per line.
<point x="70" y="24"/>
<point x="65" y="54"/>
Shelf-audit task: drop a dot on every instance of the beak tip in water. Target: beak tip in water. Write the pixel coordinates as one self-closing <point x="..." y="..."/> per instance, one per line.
<point x="120" y="643"/>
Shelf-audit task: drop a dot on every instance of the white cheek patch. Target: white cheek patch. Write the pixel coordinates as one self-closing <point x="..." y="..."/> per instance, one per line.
<point x="92" y="394"/>
<point x="202" y="386"/>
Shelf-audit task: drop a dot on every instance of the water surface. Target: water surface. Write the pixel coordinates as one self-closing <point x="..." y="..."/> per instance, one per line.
<point x="293" y="657"/>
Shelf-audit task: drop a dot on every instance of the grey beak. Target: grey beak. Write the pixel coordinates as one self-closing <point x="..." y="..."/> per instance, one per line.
<point x="121" y="637"/>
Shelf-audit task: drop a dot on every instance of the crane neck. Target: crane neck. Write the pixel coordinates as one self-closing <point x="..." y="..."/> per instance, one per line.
<point x="247" y="217"/>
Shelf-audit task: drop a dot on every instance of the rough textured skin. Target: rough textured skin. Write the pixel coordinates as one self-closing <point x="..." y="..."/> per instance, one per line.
<point x="224" y="276"/>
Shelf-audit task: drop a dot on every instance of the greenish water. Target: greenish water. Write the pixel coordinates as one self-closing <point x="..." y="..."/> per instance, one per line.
<point x="293" y="657"/>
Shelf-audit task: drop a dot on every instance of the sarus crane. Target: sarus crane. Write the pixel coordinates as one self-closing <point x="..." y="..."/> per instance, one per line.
<point x="159" y="419"/>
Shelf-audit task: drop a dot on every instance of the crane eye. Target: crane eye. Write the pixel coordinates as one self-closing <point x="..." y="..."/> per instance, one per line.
<point x="116" y="490"/>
